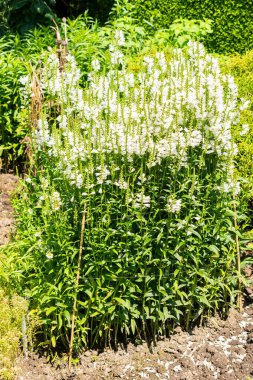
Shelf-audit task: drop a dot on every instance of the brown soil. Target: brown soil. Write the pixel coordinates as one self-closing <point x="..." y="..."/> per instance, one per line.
<point x="8" y="183"/>
<point x="221" y="350"/>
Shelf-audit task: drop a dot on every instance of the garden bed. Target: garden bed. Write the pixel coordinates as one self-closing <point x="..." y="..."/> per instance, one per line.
<point x="221" y="350"/>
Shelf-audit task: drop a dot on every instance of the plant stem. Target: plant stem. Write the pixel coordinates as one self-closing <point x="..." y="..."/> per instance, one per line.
<point x="238" y="259"/>
<point x="77" y="283"/>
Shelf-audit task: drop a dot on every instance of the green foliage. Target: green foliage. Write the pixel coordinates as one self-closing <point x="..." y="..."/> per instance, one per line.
<point x="99" y="9"/>
<point x="232" y="20"/>
<point x="241" y="67"/>
<point x="22" y="15"/>
<point x="159" y="238"/>
<point x="12" y="310"/>
<point x="17" y="55"/>
<point x="187" y="30"/>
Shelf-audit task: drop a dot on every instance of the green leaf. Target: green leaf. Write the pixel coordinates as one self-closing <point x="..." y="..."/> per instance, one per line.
<point x="214" y="249"/>
<point x="122" y="302"/>
<point x="133" y="325"/>
<point x="53" y="341"/>
<point x="50" y="310"/>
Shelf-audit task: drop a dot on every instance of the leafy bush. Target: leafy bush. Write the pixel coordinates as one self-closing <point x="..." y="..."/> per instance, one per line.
<point x="185" y="30"/>
<point x="241" y="67"/>
<point x="232" y="20"/>
<point x="146" y="157"/>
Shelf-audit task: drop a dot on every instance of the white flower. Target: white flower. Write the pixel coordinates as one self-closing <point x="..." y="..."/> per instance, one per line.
<point x="245" y="104"/>
<point x="95" y="64"/>
<point x="141" y="201"/>
<point x="56" y="200"/>
<point x="173" y="205"/>
<point x="79" y="181"/>
<point x="121" y="184"/>
<point x="119" y="37"/>
<point x="49" y="255"/>
<point x="245" y="129"/>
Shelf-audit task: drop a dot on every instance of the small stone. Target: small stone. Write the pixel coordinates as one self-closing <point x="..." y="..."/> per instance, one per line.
<point x="250" y="338"/>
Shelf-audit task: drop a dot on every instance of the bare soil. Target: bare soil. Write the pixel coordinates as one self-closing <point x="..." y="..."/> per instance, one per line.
<point x="8" y="183"/>
<point x="223" y="349"/>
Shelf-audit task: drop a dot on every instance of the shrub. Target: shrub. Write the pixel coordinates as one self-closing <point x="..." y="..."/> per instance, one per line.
<point x="232" y="20"/>
<point x="147" y="158"/>
<point x="241" y="67"/>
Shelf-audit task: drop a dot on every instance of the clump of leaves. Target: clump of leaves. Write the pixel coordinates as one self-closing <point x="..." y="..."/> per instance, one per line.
<point x="184" y="30"/>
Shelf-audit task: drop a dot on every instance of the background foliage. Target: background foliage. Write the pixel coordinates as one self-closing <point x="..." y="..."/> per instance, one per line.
<point x="232" y="19"/>
<point x="22" y="15"/>
<point x="18" y="54"/>
<point x="241" y="67"/>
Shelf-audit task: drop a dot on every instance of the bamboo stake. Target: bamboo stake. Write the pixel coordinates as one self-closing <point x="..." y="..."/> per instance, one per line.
<point x="238" y="260"/>
<point x="77" y="283"/>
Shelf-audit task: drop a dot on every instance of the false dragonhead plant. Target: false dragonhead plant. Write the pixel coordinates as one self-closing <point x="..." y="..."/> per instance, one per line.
<point x="149" y="156"/>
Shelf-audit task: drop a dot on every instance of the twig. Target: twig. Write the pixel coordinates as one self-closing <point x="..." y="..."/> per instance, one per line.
<point x="238" y="259"/>
<point x="77" y="283"/>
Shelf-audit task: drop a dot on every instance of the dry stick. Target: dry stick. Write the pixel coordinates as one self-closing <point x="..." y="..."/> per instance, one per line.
<point x="238" y="259"/>
<point x="77" y="283"/>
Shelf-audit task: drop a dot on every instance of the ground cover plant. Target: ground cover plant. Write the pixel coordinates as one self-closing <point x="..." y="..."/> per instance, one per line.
<point x="125" y="224"/>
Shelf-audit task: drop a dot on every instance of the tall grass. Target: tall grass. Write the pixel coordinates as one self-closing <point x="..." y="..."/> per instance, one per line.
<point x="149" y="154"/>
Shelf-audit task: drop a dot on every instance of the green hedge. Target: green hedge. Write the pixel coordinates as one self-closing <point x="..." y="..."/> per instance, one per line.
<point x="241" y="68"/>
<point x="232" y="19"/>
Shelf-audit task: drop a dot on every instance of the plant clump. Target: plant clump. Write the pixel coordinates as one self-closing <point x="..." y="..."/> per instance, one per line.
<point x="150" y="156"/>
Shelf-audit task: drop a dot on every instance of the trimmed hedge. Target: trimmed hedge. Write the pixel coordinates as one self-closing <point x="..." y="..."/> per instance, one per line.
<point x="232" y="20"/>
<point x="241" y="68"/>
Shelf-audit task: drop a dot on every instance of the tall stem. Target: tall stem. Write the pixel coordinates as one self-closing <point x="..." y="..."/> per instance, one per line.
<point x="238" y="259"/>
<point x="77" y="283"/>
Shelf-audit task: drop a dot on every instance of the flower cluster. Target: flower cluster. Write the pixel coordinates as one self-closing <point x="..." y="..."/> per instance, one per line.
<point x="163" y="112"/>
<point x="173" y="205"/>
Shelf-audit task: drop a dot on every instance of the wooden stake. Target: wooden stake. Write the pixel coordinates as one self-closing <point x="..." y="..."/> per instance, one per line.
<point x="77" y="283"/>
<point x="238" y="260"/>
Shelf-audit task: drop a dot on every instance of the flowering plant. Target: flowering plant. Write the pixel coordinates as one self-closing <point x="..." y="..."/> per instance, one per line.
<point x="150" y="154"/>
